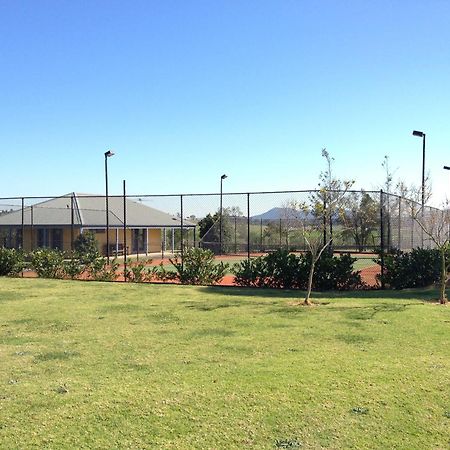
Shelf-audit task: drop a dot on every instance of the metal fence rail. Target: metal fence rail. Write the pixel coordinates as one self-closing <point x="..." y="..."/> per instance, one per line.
<point x="248" y="224"/>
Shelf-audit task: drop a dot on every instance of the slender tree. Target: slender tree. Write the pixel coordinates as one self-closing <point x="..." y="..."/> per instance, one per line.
<point x="435" y="224"/>
<point x="325" y="204"/>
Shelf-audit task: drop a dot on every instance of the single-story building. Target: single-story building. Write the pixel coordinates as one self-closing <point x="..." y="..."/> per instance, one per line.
<point x="57" y="222"/>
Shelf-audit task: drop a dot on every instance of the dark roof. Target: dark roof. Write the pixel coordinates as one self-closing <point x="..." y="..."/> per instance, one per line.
<point x="90" y="211"/>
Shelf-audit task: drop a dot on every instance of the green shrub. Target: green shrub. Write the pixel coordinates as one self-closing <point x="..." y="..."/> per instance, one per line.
<point x="335" y="273"/>
<point x="86" y="247"/>
<point x="418" y="268"/>
<point x="162" y="274"/>
<point x="139" y="272"/>
<point x="282" y="269"/>
<point x="11" y="261"/>
<point x="250" y="272"/>
<point x="47" y="263"/>
<point x="72" y="266"/>
<point x="197" y="267"/>
<point x="100" y="270"/>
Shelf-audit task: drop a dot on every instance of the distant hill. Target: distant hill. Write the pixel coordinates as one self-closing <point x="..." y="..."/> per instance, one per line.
<point x="277" y="214"/>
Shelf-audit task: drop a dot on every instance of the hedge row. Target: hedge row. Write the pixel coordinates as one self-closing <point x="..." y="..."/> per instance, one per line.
<point x="282" y="269"/>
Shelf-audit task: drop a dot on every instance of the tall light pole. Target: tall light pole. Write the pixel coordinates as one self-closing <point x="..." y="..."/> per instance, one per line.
<point x="108" y="154"/>
<point x="220" y="213"/>
<point x="422" y="135"/>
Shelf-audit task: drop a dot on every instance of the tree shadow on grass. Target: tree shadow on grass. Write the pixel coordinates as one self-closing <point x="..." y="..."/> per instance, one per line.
<point x="422" y="295"/>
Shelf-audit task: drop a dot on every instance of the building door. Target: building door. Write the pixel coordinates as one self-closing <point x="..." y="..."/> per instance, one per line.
<point x="57" y="238"/>
<point x="139" y="238"/>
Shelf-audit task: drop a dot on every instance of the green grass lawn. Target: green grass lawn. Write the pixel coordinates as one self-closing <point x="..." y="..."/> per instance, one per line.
<point x="117" y="366"/>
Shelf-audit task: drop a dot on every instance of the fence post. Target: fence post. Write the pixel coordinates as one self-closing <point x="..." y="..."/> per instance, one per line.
<point x="248" y="225"/>
<point x="71" y="222"/>
<point x="382" y="236"/>
<point x="182" y="234"/>
<point x="399" y="223"/>
<point x="235" y="235"/>
<point x="388" y="212"/>
<point x="281" y="235"/>
<point x="125" y="274"/>
<point x="261" y="235"/>
<point x="23" y="225"/>
<point x="31" y="228"/>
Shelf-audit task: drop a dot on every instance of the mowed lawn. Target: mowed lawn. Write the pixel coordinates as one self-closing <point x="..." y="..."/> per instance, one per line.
<point x="117" y="366"/>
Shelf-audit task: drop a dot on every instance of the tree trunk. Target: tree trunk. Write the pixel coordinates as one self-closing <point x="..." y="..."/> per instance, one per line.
<point x="310" y="281"/>
<point x="442" y="296"/>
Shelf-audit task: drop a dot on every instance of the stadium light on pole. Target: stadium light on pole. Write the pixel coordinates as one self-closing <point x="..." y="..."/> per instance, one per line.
<point x="221" y="212"/>
<point x="422" y="135"/>
<point x="108" y="154"/>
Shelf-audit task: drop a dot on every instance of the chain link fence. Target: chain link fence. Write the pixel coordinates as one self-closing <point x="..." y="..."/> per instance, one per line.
<point x="239" y="225"/>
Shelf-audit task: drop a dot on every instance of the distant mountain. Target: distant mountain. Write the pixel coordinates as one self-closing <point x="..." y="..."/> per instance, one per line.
<point x="278" y="213"/>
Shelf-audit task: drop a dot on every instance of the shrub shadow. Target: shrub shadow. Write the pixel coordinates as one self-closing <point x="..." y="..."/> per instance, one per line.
<point x="424" y="294"/>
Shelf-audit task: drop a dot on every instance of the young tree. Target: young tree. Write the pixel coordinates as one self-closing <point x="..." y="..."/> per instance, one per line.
<point x="360" y="218"/>
<point x="328" y="200"/>
<point x="435" y="224"/>
<point x="209" y="228"/>
<point x="290" y="215"/>
<point x="325" y="204"/>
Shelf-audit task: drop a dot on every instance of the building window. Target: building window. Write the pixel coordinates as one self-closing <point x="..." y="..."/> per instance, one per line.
<point x="43" y="237"/>
<point x="50" y="238"/>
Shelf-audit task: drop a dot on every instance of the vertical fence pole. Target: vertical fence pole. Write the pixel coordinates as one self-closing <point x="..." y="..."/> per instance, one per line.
<point x="261" y="235"/>
<point x="399" y="223"/>
<point x="235" y="235"/>
<point x="330" y="247"/>
<point x="182" y="234"/>
<point x="23" y="224"/>
<point x="31" y="228"/>
<point x="22" y="243"/>
<point x="388" y="212"/>
<point x="71" y="222"/>
<point x="382" y="236"/>
<point x="281" y="236"/>
<point x="125" y="274"/>
<point x="248" y="226"/>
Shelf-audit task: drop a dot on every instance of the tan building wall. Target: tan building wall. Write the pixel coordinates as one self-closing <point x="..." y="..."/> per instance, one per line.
<point x="30" y="241"/>
<point x="154" y="238"/>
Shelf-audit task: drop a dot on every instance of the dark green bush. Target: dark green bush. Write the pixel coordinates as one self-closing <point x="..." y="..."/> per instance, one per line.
<point x="250" y="272"/>
<point x="86" y="247"/>
<point x="11" y="261"/>
<point x="197" y="267"/>
<point x="418" y="268"/>
<point x="282" y="269"/>
<point x="335" y="273"/>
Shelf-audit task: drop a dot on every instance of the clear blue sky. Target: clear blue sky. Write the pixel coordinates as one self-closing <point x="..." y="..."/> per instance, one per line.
<point x="184" y="91"/>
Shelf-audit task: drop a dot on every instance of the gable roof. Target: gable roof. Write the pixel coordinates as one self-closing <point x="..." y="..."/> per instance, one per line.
<point x="89" y="211"/>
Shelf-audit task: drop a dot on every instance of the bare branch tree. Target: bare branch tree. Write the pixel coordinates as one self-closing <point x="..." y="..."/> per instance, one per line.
<point x="325" y="204"/>
<point x="435" y="224"/>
